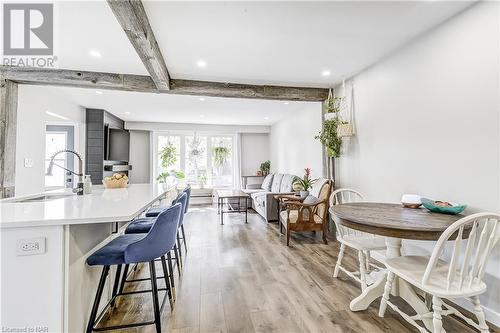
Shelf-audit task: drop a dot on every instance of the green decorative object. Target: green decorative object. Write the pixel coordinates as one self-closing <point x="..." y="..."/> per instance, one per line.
<point x="329" y="135"/>
<point x="168" y="155"/>
<point x="306" y="182"/>
<point x="265" y="167"/>
<point x="453" y="210"/>
<point x="221" y="154"/>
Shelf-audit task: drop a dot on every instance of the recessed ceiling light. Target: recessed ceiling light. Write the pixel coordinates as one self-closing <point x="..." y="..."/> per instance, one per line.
<point x="266" y="118"/>
<point x="95" y="53"/>
<point x="98" y="92"/>
<point x="326" y="73"/>
<point x="202" y="116"/>
<point x="202" y="99"/>
<point x="286" y="103"/>
<point x="127" y="112"/>
<point x="201" y="63"/>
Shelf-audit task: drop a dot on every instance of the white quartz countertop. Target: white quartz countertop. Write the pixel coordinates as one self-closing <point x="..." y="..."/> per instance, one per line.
<point x="103" y="205"/>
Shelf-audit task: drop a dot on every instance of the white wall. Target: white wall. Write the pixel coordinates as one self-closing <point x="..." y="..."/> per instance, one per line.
<point x="33" y="103"/>
<point x="254" y="151"/>
<point x="140" y="157"/>
<point x="427" y="122"/>
<point x="292" y="143"/>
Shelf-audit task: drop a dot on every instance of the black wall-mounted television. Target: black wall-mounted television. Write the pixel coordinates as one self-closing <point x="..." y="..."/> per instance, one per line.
<point x="117" y="144"/>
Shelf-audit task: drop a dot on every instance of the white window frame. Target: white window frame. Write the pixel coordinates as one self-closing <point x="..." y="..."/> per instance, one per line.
<point x="182" y="135"/>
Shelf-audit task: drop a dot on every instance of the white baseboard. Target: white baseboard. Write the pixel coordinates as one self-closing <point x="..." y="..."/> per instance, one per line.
<point x="491" y="315"/>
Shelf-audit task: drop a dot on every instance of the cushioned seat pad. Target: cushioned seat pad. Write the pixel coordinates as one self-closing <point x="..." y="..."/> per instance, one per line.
<point x="113" y="253"/>
<point x="154" y="211"/>
<point x="140" y="225"/>
<point x="294" y="215"/>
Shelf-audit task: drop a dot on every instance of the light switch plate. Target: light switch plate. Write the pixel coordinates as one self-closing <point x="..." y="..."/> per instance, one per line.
<point x="28" y="162"/>
<point x="30" y="246"/>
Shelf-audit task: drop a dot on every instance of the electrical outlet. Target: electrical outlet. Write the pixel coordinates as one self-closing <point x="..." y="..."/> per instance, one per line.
<point x="30" y="246"/>
<point x="28" y="162"/>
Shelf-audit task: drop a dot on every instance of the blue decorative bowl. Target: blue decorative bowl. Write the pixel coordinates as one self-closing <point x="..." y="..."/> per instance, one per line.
<point x="453" y="210"/>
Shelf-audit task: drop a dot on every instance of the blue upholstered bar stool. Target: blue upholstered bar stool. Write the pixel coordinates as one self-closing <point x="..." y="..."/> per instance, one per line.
<point x="156" y="210"/>
<point x="133" y="249"/>
<point x="143" y="224"/>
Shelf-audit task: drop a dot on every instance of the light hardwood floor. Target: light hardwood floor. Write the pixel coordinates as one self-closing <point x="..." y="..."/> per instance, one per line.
<point x="242" y="278"/>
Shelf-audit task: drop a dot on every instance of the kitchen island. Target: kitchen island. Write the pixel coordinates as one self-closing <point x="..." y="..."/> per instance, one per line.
<point x="46" y="238"/>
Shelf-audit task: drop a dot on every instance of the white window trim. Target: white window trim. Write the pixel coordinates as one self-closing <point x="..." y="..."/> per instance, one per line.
<point x="182" y="135"/>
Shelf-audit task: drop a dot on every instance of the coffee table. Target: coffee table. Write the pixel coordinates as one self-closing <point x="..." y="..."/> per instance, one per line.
<point x="231" y="199"/>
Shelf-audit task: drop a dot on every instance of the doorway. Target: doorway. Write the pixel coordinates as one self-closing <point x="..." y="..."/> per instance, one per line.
<point x="59" y="137"/>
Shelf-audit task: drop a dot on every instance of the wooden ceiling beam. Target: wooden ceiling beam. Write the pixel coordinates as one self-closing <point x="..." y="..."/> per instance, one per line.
<point x="134" y="21"/>
<point x="142" y="83"/>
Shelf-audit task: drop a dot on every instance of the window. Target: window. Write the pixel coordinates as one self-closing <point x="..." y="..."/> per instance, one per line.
<point x="59" y="137"/>
<point x="196" y="160"/>
<point x="205" y="160"/>
<point x="169" y="155"/>
<point x="222" y="161"/>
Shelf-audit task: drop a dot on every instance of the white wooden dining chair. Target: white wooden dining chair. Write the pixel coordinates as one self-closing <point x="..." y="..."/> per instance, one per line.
<point x="360" y="241"/>
<point x="473" y="237"/>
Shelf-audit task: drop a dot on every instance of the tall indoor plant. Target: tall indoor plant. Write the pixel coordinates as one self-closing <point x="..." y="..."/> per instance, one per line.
<point x="329" y="135"/>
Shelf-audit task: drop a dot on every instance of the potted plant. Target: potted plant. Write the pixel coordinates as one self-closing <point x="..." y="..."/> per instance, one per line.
<point x="265" y="167"/>
<point x="305" y="183"/>
<point x="168" y="155"/>
<point x="221" y="154"/>
<point x="202" y="180"/>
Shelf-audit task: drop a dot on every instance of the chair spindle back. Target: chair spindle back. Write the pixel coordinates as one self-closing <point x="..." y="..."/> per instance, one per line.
<point x="466" y="269"/>
<point x="343" y="196"/>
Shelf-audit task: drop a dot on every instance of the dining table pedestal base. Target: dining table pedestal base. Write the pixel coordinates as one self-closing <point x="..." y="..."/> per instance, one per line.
<point x="400" y="288"/>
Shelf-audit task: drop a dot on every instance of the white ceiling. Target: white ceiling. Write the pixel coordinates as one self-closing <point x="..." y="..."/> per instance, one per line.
<point x="288" y="43"/>
<point x="148" y="107"/>
<point x="284" y="42"/>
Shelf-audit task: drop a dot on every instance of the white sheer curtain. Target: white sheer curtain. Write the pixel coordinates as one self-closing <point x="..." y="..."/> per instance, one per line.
<point x="237" y="161"/>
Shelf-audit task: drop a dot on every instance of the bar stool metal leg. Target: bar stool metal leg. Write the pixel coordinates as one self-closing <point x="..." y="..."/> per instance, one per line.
<point x="154" y="291"/>
<point x="176" y="252"/>
<point x="124" y="278"/>
<point x="171" y="273"/>
<point x="184" y="237"/>
<point x="179" y="248"/>
<point x="166" y="276"/>
<point x="116" y="284"/>
<point x="95" y="307"/>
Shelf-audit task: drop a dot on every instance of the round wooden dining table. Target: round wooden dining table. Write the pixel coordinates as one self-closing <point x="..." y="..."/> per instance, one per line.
<point x="395" y="223"/>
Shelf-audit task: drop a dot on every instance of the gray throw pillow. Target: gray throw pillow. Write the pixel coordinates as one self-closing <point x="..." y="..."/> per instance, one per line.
<point x="311" y="200"/>
<point x="268" y="181"/>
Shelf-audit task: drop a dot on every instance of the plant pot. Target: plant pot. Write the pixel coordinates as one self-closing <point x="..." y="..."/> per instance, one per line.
<point x="304" y="193"/>
<point x="344" y="130"/>
<point x="330" y="115"/>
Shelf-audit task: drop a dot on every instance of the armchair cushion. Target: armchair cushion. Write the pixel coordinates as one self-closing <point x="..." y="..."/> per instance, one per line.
<point x="287" y="183"/>
<point x="311" y="200"/>
<point x="275" y="187"/>
<point x="317" y="186"/>
<point x="294" y="215"/>
<point x="267" y="182"/>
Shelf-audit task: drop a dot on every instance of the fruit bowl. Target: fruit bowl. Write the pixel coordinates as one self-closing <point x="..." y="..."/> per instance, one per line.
<point x="453" y="209"/>
<point x="116" y="181"/>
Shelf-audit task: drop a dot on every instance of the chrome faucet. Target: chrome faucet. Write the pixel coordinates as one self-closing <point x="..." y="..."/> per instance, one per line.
<point x="79" y="188"/>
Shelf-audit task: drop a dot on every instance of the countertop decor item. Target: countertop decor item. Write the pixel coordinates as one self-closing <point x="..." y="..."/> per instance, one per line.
<point x="411" y="200"/>
<point x="116" y="181"/>
<point x="443" y="207"/>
